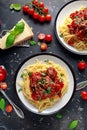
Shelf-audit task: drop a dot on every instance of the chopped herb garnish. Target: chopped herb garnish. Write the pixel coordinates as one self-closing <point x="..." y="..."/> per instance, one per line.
<point x="20" y="89"/>
<point x="62" y="74"/>
<point x="46" y="61"/>
<point x="44" y="92"/>
<point x="29" y="74"/>
<point x="49" y="89"/>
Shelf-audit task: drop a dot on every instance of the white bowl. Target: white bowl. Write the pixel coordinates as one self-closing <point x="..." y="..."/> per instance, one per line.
<point x="61" y="16"/>
<point x="65" y="99"/>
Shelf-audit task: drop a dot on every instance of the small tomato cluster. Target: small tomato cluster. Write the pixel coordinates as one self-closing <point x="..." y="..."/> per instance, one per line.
<point x="47" y="38"/>
<point x="38" y="11"/>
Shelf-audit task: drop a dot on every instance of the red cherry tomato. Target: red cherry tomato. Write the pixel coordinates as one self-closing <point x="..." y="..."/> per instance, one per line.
<point x="36" y="15"/>
<point x="41" y="18"/>
<point x="48" y="38"/>
<point x="25" y="8"/>
<point x="82" y="65"/>
<point x="45" y="10"/>
<point x="3" y="85"/>
<point x="43" y="46"/>
<point x="35" y="2"/>
<point x="31" y="11"/>
<point x="48" y="17"/>
<point x="3" y="73"/>
<point x="41" y="36"/>
<point x="84" y="95"/>
<point x="41" y="4"/>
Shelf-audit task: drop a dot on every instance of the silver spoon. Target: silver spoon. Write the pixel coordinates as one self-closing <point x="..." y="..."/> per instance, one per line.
<point x="81" y="85"/>
<point x="18" y="111"/>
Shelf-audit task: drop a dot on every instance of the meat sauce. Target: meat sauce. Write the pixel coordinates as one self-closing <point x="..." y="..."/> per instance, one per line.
<point x="78" y="26"/>
<point x="45" y="84"/>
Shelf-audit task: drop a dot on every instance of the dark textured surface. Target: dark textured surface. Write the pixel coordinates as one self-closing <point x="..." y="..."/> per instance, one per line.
<point x="13" y="57"/>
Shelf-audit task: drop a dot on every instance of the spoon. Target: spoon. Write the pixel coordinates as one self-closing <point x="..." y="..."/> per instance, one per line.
<point x="81" y="85"/>
<point x="17" y="110"/>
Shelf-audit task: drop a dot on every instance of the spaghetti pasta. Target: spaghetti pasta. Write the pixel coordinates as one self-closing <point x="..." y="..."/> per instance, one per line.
<point x="44" y="83"/>
<point x="74" y="30"/>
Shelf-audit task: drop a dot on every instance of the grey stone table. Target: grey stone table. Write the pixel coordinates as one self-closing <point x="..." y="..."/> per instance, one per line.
<point x="13" y="57"/>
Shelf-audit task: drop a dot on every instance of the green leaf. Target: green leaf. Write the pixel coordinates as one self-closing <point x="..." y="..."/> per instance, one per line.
<point x="59" y="116"/>
<point x="10" y="40"/>
<point x="19" y="27"/>
<point x="15" y="7"/>
<point x="32" y="42"/>
<point x="2" y="103"/>
<point x="73" y="124"/>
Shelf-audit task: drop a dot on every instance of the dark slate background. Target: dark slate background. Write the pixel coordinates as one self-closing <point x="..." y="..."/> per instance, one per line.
<point x="13" y="57"/>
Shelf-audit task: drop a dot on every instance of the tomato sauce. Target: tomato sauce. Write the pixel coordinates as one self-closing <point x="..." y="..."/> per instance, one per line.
<point x="78" y="26"/>
<point x="45" y="84"/>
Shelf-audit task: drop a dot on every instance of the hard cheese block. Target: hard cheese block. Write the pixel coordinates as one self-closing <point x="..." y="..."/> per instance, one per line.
<point x="24" y="36"/>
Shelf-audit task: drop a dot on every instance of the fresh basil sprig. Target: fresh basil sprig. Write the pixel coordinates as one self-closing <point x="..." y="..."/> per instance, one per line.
<point x="18" y="29"/>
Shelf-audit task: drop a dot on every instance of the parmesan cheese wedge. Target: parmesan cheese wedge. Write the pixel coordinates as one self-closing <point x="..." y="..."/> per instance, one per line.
<point x="24" y="36"/>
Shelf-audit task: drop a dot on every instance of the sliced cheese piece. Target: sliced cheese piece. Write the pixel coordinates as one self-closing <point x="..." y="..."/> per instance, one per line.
<point x="24" y="36"/>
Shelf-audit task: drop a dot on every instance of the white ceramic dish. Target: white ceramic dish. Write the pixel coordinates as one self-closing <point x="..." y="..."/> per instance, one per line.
<point x="66" y="98"/>
<point x="62" y="14"/>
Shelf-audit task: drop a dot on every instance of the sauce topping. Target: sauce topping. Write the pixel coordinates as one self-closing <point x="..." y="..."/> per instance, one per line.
<point x="45" y="84"/>
<point x="78" y="26"/>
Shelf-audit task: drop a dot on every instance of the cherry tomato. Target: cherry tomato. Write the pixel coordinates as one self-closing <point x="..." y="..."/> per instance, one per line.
<point x="31" y="11"/>
<point x="48" y="38"/>
<point x="84" y="95"/>
<point x="36" y="15"/>
<point x="41" y="36"/>
<point x="82" y="65"/>
<point x="35" y="2"/>
<point x="45" y="10"/>
<point x="25" y="8"/>
<point x="41" y="4"/>
<point x="41" y="18"/>
<point x="3" y="73"/>
<point x="48" y="17"/>
<point x="43" y="46"/>
<point x="9" y="108"/>
<point x="3" y="85"/>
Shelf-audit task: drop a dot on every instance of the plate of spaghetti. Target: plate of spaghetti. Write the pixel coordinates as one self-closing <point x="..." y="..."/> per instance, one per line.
<point x="71" y="27"/>
<point x="45" y="83"/>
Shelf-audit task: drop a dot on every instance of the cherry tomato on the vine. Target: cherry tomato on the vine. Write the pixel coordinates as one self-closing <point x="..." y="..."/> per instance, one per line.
<point x="48" y="17"/>
<point x="41" y="4"/>
<point x="41" y="36"/>
<point x="48" y="38"/>
<point x="45" y="10"/>
<point x="35" y="2"/>
<point x="25" y="8"/>
<point x="41" y="18"/>
<point x="31" y="11"/>
<point x="43" y="46"/>
<point x="82" y="65"/>
<point x="36" y="15"/>
<point x="3" y="73"/>
<point x="84" y="95"/>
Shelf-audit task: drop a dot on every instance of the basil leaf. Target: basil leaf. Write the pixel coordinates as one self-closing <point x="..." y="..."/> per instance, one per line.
<point x="2" y="103"/>
<point x="73" y="124"/>
<point x="10" y="40"/>
<point x="15" y="7"/>
<point x="19" y="28"/>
